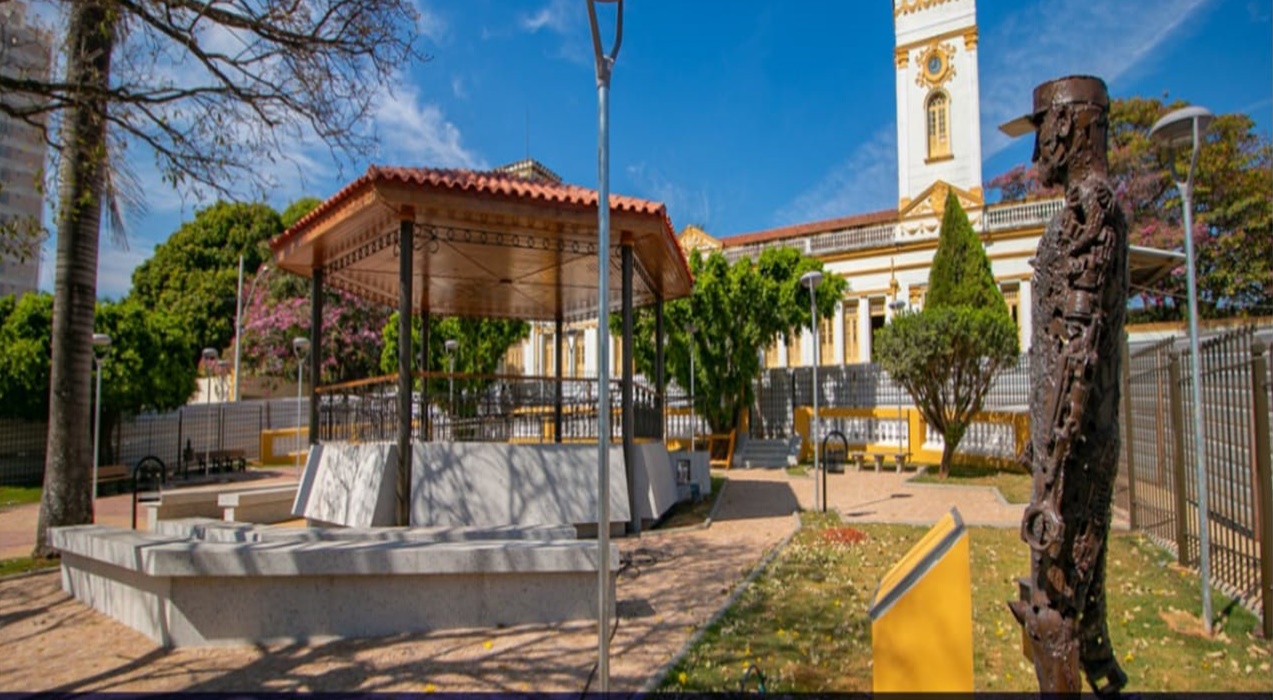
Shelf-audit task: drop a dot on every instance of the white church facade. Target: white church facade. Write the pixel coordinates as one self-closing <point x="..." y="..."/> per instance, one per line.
<point x="886" y="255"/>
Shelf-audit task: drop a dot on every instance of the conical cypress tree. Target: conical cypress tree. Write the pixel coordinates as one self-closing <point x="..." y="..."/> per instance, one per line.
<point x="961" y="275"/>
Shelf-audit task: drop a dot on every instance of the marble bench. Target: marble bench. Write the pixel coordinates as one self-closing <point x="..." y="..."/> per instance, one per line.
<point x="184" y="590"/>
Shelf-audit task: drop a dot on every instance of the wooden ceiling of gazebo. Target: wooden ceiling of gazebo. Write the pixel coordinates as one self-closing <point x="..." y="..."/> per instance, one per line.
<point x="487" y="244"/>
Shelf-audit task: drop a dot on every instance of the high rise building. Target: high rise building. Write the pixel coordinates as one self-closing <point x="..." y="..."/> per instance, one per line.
<point x="25" y="51"/>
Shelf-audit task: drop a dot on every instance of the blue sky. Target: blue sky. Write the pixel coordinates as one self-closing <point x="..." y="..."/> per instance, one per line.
<point x="747" y="114"/>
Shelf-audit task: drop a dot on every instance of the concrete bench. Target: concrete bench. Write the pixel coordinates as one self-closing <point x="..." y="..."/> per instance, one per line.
<point x="267" y="505"/>
<point x="192" y="503"/>
<point x="209" y="530"/>
<point x="182" y="591"/>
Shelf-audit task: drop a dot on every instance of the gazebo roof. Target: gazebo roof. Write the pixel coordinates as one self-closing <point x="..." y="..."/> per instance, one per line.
<point x="489" y="244"/>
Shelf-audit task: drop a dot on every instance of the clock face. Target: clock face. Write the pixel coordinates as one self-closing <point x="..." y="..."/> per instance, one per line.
<point x="934" y="65"/>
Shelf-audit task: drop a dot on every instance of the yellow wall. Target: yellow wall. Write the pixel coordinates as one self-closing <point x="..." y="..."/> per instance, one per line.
<point x="917" y="428"/>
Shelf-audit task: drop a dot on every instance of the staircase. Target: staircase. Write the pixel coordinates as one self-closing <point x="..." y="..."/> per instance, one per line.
<point x="769" y="454"/>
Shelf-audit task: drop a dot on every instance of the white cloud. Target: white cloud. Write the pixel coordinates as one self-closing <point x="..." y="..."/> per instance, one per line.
<point x="115" y="268"/>
<point x="557" y="16"/>
<point x="685" y="205"/>
<point x="1043" y="40"/>
<point x="432" y="25"/>
<point x="413" y="132"/>
<point x="458" y="88"/>
<point x="866" y="181"/>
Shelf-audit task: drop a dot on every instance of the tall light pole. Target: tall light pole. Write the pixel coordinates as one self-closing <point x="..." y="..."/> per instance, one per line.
<point x="811" y="280"/>
<point x="1185" y="127"/>
<point x="210" y="363"/>
<point x="605" y="65"/>
<point x="300" y="346"/>
<point x="898" y="307"/>
<point x="100" y="341"/>
<point x="692" y="328"/>
<point x="238" y="319"/>
<point x="451" y="346"/>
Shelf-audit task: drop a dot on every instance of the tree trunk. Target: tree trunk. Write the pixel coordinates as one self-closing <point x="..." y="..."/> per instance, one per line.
<point x="947" y="456"/>
<point x="67" y="498"/>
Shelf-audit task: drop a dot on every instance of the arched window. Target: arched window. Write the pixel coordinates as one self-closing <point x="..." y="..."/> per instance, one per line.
<point x="938" y="108"/>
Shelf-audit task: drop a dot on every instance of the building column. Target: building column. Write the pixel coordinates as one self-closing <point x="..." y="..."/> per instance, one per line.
<point x="837" y="334"/>
<point x="1025" y="313"/>
<point x="783" y="360"/>
<point x="864" y="329"/>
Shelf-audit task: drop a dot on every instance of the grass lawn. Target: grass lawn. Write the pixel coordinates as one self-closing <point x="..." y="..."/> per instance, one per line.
<point x="1014" y="485"/>
<point x="686" y="514"/>
<point x="19" y="495"/>
<point x="804" y="623"/>
<point x="21" y="565"/>
<point x="798" y="470"/>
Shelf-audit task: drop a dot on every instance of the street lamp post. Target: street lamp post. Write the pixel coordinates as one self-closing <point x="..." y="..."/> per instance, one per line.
<point x="103" y="341"/>
<point x="604" y="63"/>
<point x="811" y="280"/>
<point x="692" y="328"/>
<point x="451" y="346"/>
<point x="238" y="319"/>
<point x="1185" y="127"/>
<point x="300" y="346"/>
<point x="210" y="359"/>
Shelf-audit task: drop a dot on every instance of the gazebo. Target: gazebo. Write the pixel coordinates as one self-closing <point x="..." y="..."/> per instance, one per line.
<point x="482" y="244"/>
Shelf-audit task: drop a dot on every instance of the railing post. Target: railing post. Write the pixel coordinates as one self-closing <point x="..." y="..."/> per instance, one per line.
<point x="1129" y="444"/>
<point x="1176" y="402"/>
<point x="1263" y="476"/>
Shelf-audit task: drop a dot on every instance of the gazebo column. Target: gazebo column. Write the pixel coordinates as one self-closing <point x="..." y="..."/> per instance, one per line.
<point x="316" y="349"/>
<point x="426" y="419"/>
<point x="406" y="249"/>
<point x="557" y="346"/>
<point x="660" y="375"/>
<point x="629" y="423"/>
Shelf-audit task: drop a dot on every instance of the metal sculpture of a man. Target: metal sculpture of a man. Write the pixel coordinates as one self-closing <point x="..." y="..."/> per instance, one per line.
<point x="1080" y="286"/>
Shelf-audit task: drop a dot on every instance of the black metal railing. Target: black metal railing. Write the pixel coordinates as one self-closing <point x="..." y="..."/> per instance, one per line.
<point x="483" y="408"/>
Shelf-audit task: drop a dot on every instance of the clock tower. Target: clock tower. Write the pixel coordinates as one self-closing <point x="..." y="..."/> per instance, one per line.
<point x="938" y="114"/>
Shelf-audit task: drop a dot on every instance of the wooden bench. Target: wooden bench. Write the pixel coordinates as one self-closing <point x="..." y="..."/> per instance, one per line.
<point x="113" y="474"/>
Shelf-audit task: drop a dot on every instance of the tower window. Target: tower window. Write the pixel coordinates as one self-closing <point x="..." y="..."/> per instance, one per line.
<point x="938" y="108"/>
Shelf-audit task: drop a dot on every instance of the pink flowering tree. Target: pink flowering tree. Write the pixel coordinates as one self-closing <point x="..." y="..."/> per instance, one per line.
<point x="279" y="311"/>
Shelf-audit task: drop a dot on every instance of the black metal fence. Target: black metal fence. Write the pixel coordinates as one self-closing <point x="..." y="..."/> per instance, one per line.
<point x="491" y="408"/>
<point x="779" y="391"/>
<point x="202" y="427"/>
<point x="1158" y="484"/>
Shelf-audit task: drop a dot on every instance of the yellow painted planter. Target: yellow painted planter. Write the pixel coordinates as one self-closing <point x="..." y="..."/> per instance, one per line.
<point x="921" y="616"/>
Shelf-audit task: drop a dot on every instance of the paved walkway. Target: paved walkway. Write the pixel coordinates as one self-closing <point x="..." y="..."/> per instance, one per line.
<point x="49" y="641"/>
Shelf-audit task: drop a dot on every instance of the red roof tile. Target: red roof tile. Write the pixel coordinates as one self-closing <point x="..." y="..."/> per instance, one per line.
<point x="813" y="227"/>
<point x="485" y="182"/>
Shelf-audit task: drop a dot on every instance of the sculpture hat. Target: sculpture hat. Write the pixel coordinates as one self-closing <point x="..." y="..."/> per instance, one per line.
<point x="1074" y="89"/>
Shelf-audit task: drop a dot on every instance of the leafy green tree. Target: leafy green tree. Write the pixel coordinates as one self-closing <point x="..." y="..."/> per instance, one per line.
<point x="194" y="274"/>
<point x="738" y="311"/>
<point x="947" y="355"/>
<point x="1233" y="202"/>
<point x="26" y="329"/>
<point x="298" y="209"/>
<point x="147" y="365"/>
<point x="483" y="342"/>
